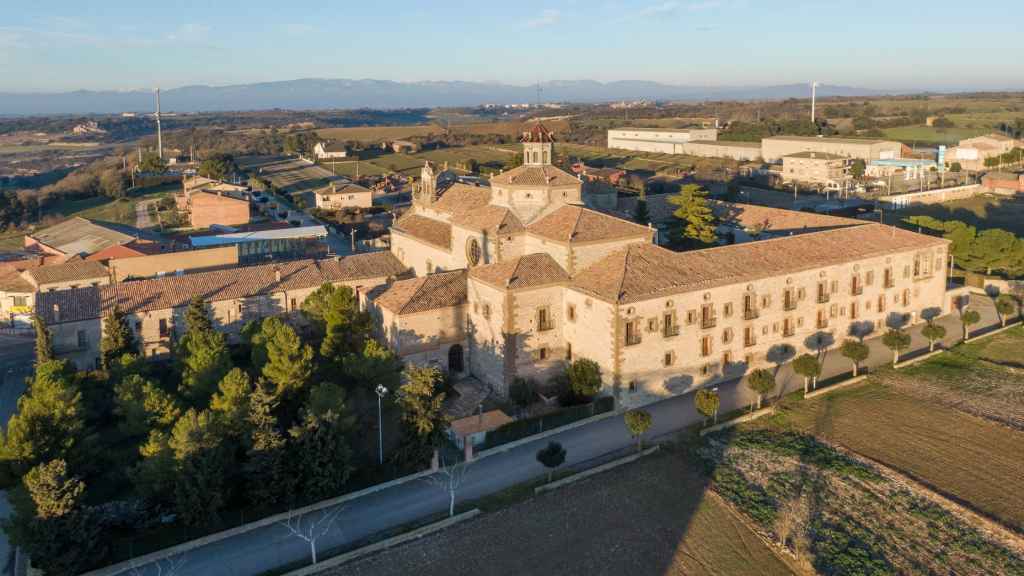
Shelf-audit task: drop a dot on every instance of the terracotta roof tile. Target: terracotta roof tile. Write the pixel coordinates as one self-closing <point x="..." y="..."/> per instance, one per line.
<point x="70" y="271"/>
<point x="485" y="422"/>
<point x="523" y="272"/>
<point x="216" y="285"/>
<point x="490" y="218"/>
<point x="460" y="197"/>
<point x="578" y="224"/>
<point x="643" y="271"/>
<point x="427" y="229"/>
<point x="546" y="175"/>
<point x="441" y="290"/>
<point x="11" y="281"/>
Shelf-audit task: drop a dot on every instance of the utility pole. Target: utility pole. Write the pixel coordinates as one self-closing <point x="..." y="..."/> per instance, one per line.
<point x="159" y="136"/>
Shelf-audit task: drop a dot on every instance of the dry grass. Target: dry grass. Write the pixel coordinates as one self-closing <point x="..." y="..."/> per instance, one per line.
<point x="971" y="460"/>
<point x="844" y="516"/>
<point x="653" y="517"/>
<point x="380" y="133"/>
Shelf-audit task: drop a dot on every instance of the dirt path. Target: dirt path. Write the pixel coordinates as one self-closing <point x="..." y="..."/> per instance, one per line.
<point x="143" y="219"/>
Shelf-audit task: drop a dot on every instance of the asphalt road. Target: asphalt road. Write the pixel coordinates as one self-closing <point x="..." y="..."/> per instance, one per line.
<point x="263" y="549"/>
<point x="16" y="356"/>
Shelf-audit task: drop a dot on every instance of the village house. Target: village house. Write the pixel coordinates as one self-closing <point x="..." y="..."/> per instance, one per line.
<point x="330" y="149"/>
<point x="817" y="168"/>
<point x="210" y="202"/>
<point x="971" y="153"/>
<point x="155" y="308"/>
<point x="341" y="194"/>
<point x="19" y="289"/>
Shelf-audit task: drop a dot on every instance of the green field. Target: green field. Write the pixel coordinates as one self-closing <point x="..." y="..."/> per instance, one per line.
<point x="983" y="211"/>
<point x="107" y="209"/>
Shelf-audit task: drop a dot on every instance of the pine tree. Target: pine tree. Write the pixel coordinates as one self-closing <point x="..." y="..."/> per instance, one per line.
<point x="289" y="362"/>
<point x="421" y="400"/>
<point x="322" y="455"/>
<point x="56" y="529"/>
<point x="142" y="405"/>
<point x="231" y="402"/>
<point x="49" y="423"/>
<point x="201" y="462"/>
<point x="117" y="338"/>
<point x="377" y="365"/>
<point x="44" y="344"/>
<point x="205" y="360"/>
<point x="268" y="479"/>
<point x="697" y="218"/>
<point x="334" y="313"/>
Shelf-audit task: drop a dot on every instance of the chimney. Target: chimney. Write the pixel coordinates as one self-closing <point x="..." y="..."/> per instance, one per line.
<point x="56" y="312"/>
<point x="277" y="274"/>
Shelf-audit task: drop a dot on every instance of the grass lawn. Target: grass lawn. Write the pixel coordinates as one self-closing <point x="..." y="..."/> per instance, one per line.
<point x="983" y="211"/>
<point x="13" y="241"/>
<point x="109" y="210"/>
<point x="972" y="460"/>
<point x="651" y="517"/>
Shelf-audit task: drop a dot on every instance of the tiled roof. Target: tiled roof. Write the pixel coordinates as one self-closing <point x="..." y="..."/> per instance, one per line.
<point x="226" y="284"/>
<point x="490" y="218"/>
<point x="70" y="271"/>
<point x="11" y="281"/>
<point x="642" y="271"/>
<point x="529" y="175"/>
<point x="81" y="236"/>
<point x="485" y="422"/>
<point x="537" y="133"/>
<point x="578" y="224"/>
<point x="522" y="272"/>
<point x="429" y="230"/>
<point x="343" y="188"/>
<point x="441" y="290"/>
<point x="461" y="197"/>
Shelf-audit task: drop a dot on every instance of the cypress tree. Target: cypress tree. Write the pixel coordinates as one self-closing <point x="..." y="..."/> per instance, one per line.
<point x="117" y="338"/>
<point x="696" y="216"/>
<point x="44" y="343"/>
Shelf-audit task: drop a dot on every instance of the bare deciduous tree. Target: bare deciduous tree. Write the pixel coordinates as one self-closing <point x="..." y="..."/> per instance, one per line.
<point x="170" y="565"/>
<point x="449" y="477"/>
<point x="312" y="526"/>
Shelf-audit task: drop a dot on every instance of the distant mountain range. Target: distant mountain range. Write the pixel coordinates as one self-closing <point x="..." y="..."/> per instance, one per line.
<point x="318" y="94"/>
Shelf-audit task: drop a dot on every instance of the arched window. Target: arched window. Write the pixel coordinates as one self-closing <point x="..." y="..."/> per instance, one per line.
<point x="455" y="360"/>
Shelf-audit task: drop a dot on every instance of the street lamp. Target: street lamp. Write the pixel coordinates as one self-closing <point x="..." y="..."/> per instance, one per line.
<point x="382" y="391"/>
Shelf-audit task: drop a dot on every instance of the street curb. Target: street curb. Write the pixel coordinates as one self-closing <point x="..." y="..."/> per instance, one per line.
<point x="595" y="470"/>
<point x="384" y="544"/>
<point x="836" y="386"/>
<point x="738" y="420"/>
<point x="132" y="563"/>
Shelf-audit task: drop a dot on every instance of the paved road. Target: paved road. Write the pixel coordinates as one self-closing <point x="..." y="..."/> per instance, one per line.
<point x="260" y="550"/>
<point x="16" y="355"/>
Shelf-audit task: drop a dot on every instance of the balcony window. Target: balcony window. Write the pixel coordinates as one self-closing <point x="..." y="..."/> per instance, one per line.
<point x="822" y="320"/>
<point x="823" y="295"/>
<point x="706" y="346"/>
<point x="788" y="328"/>
<point x="889" y="279"/>
<point x="789" y="299"/>
<point x="854" y="310"/>
<point x="544" y="322"/>
<point x="749" y="307"/>
<point x="856" y="289"/>
<point x="749" y="336"/>
<point x="669" y="326"/>
<point x="707" y="316"/>
<point x="632" y="333"/>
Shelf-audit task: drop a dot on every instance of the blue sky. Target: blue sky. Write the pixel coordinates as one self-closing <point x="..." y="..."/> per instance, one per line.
<point x="60" y="45"/>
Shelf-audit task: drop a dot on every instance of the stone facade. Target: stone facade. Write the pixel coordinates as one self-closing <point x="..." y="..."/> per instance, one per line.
<point x="558" y="283"/>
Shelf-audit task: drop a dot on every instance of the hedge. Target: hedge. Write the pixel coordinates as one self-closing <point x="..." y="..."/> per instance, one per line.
<point x="535" y="425"/>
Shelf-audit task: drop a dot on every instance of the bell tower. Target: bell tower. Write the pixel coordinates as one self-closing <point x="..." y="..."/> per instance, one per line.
<point x="538" y="146"/>
<point x="427" y="185"/>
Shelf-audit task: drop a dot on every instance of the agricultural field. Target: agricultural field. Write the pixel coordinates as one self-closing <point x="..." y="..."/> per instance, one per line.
<point x="840" y="514"/>
<point x="655" y="516"/>
<point x="927" y="427"/>
<point x="982" y="211"/>
<point x="368" y="134"/>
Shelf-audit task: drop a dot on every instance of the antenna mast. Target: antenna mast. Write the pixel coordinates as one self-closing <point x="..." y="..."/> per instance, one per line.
<point x="159" y="135"/>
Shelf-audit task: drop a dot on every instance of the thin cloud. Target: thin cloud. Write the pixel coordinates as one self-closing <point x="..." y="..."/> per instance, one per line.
<point x="190" y="32"/>
<point x="658" y="9"/>
<point x="547" y="17"/>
